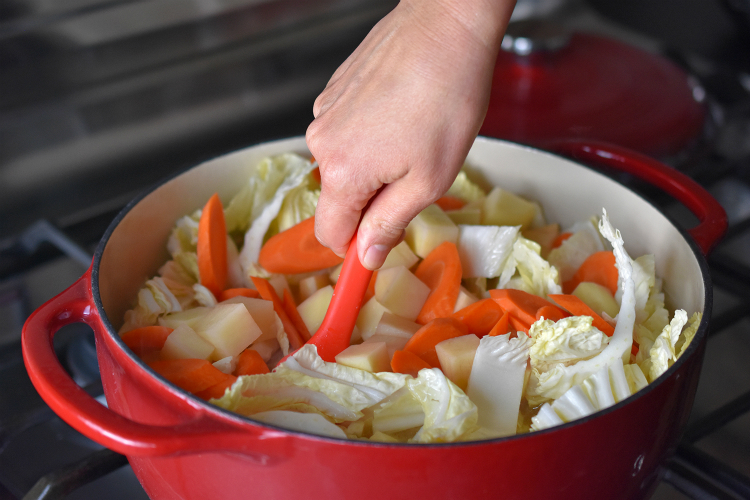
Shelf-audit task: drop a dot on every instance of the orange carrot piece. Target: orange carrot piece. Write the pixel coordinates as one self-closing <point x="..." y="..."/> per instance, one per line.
<point x="249" y="362"/>
<point x="449" y="202"/>
<point x="290" y="308"/>
<point x="577" y="307"/>
<point x="480" y="317"/>
<point x="217" y="390"/>
<point x="441" y="271"/>
<point x="551" y="312"/>
<point x="193" y="375"/>
<point x="146" y="339"/>
<point x="559" y="240"/>
<point x="408" y="363"/>
<point x="315" y="172"/>
<point x="267" y="292"/>
<point x="212" y="246"/>
<point x="519" y="304"/>
<point x="598" y="268"/>
<point x="297" y="250"/>
<point x="237" y="292"/>
<point x="518" y="325"/>
<point x="502" y="326"/>
<point x="424" y="340"/>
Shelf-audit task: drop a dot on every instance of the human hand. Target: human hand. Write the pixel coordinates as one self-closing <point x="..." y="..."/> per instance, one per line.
<point x="398" y="117"/>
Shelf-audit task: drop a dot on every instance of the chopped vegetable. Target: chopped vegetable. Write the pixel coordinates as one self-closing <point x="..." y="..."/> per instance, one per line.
<point x="441" y="271"/>
<point x="408" y="363"/>
<point x="297" y="250"/>
<point x="146" y="339"/>
<point x="267" y="292"/>
<point x="238" y="292"/>
<point x="212" y="246"/>
<point x="426" y="338"/>
<point x="577" y="307"/>
<point x="480" y="317"/>
<point x="496" y="382"/>
<point x="484" y="249"/>
<point x="598" y="268"/>
<point x="399" y="380"/>
<point x="250" y="362"/>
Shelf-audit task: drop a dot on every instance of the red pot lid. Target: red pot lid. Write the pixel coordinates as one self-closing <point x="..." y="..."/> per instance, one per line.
<point x="589" y="87"/>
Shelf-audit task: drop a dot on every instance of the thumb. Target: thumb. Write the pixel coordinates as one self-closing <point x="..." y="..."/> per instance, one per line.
<point x="384" y="222"/>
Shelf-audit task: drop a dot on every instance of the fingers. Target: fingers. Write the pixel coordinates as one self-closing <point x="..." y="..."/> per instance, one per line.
<point x="392" y="208"/>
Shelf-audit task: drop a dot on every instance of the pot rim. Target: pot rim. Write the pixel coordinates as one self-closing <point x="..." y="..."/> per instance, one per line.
<point x="700" y="336"/>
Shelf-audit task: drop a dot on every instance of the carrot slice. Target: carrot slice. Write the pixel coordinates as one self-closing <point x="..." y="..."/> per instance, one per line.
<point x="296" y="250"/>
<point x="424" y="340"/>
<point x="598" y="268"/>
<point x="449" y="202"/>
<point x="502" y="326"/>
<point x="267" y="292"/>
<point x="193" y="375"/>
<point x="217" y="390"/>
<point x="290" y="308"/>
<point x="249" y="362"/>
<point x="577" y="307"/>
<point x="480" y="317"/>
<point x="518" y="325"/>
<point x="212" y="246"/>
<point x="521" y="305"/>
<point x="408" y="363"/>
<point x="551" y="312"/>
<point x="237" y="292"/>
<point x="315" y="172"/>
<point x="441" y="271"/>
<point x="560" y="239"/>
<point x="146" y="339"/>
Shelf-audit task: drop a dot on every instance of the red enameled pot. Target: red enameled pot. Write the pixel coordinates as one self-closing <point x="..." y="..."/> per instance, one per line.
<point x="181" y="447"/>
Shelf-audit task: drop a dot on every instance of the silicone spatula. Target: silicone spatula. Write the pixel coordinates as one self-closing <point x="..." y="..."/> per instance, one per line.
<point x="335" y="333"/>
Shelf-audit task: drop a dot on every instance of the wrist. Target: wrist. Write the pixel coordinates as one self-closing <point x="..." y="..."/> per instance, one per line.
<point x="483" y="20"/>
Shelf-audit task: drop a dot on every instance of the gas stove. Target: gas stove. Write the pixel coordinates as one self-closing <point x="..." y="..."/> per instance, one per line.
<point x="90" y="117"/>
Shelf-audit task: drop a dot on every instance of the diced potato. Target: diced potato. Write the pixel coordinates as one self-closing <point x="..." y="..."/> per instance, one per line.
<point x="400" y="255"/>
<point x="544" y="235"/>
<point x="392" y="342"/>
<point x="396" y="326"/>
<point x="428" y="229"/>
<point x="312" y="284"/>
<point x="470" y="214"/>
<point x="262" y="312"/>
<point x="229" y="327"/>
<point x="184" y="343"/>
<point x="369" y="316"/>
<point x="189" y="317"/>
<point x="314" y="308"/>
<point x="503" y="208"/>
<point x="597" y="297"/>
<point x="465" y="298"/>
<point x="401" y="292"/>
<point x="226" y="365"/>
<point x="265" y="348"/>
<point x="456" y="357"/>
<point x="334" y="274"/>
<point x="368" y="356"/>
<point x="279" y="284"/>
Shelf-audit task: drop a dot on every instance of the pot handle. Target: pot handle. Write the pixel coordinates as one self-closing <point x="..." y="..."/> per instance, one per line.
<point x="86" y="415"/>
<point x="711" y="215"/>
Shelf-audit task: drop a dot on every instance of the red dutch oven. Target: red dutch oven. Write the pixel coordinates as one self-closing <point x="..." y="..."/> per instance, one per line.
<point x="181" y="447"/>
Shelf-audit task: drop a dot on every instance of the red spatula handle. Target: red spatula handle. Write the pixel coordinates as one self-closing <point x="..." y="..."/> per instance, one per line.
<point x="334" y="334"/>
